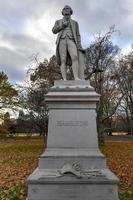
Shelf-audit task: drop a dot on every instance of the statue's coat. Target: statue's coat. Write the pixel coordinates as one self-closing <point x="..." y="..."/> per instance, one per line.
<point x="75" y="30"/>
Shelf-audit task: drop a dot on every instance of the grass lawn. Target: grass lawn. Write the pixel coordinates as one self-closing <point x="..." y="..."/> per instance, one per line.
<point x="18" y="159"/>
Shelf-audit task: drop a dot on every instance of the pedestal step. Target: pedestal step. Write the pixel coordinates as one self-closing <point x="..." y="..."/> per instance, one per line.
<point x="56" y="158"/>
<point x="47" y="185"/>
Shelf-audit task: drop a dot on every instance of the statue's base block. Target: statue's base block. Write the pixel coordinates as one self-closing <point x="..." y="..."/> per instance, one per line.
<point x="69" y="187"/>
<point x="72" y="167"/>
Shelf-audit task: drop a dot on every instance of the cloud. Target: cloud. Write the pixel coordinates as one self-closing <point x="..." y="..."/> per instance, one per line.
<point x="25" y="28"/>
<point x="15" y="54"/>
<point x="11" y="63"/>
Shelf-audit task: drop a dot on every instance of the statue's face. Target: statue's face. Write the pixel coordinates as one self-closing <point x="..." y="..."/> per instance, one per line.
<point x="67" y="12"/>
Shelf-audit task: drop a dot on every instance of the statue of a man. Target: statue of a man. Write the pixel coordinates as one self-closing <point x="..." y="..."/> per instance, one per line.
<point x="69" y="51"/>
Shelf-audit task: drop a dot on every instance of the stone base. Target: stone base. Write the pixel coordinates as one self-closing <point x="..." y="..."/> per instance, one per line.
<point x="56" y="158"/>
<point x="46" y="185"/>
<point x="72" y="167"/>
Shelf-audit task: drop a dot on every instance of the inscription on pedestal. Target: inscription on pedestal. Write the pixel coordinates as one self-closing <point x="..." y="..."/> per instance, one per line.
<point x="72" y="123"/>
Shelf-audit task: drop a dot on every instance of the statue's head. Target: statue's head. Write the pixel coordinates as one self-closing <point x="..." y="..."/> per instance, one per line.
<point x="67" y="11"/>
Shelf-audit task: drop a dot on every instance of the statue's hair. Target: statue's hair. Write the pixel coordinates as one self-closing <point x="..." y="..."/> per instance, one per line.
<point x="68" y="7"/>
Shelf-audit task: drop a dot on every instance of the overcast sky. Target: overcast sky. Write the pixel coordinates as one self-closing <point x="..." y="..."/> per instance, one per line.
<point x="25" y="28"/>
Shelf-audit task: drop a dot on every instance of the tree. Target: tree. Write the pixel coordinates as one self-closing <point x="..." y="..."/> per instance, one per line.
<point x="46" y="70"/>
<point x="33" y="94"/>
<point x="8" y="94"/>
<point x="3" y="132"/>
<point x="6" y="121"/>
<point x="100" y="54"/>
<point x="124" y="77"/>
<point x="101" y="59"/>
<point x="8" y="124"/>
<point x="33" y="102"/>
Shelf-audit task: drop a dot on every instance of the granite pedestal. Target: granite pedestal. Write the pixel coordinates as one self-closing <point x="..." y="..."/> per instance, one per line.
<point x="72" y="167"/>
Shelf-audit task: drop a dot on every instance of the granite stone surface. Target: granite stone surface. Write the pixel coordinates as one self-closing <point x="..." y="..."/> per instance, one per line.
<point x="72" y="167"/>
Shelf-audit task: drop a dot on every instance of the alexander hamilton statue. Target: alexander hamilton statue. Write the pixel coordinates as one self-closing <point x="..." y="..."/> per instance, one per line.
<point x="69" y="52"/>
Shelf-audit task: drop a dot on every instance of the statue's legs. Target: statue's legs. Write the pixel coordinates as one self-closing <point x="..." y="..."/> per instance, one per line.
<point x="69" y="45"/>
<point x="63" y="55"/>
<point x="72" y="49"/>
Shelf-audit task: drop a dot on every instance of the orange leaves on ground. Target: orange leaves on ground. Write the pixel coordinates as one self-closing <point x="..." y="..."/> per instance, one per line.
<point x="120" y="161"/>
<point x="17" y="161"/>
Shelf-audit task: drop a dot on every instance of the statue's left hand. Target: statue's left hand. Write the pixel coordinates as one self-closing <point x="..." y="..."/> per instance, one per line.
<point x="81" y="49"/>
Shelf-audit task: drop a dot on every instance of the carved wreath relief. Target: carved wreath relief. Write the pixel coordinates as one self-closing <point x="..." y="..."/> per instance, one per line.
<point x="76" y="170"/>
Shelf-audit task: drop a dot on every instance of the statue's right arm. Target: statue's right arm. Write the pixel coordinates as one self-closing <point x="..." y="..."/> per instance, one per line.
<point x="57" y="27"/>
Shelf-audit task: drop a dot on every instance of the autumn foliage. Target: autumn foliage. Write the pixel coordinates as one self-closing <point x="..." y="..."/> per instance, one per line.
<point x="18" y="159"/>
<point x="3" y="131"/>
<point x="120" y="161"/>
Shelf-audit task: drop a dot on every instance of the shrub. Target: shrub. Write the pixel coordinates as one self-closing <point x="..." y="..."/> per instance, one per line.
<point x="4" y="131"/>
